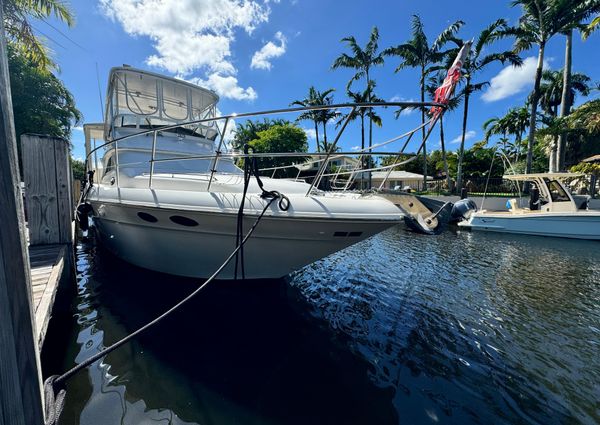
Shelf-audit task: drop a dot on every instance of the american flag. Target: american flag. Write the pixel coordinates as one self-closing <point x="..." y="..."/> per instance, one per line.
<point x="444" y="92"/>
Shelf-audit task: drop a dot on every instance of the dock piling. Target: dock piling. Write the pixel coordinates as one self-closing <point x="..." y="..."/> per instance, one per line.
<point x="20" y="380"/>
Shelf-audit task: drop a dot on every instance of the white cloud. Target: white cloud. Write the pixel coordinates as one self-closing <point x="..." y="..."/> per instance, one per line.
<point x="468" y="136"/>
<point x="78" y="128"/>
<point x="355" y="148"/>
<point x="225" y="86"/>
<point x="262" y="58"/>
<point x="512" y="80"/>
<point x="406" y="111"/>
<point x="310" y="133"/>
<point x="191" y="35"/>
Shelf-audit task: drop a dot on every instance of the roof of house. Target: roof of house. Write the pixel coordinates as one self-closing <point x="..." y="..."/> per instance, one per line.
<point x="397" y="175"/>
<point x="593" y="158"/>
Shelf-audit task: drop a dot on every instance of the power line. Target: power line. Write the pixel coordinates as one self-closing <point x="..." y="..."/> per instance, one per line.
<point x="65" y="35"/>
<point x="48" y="37"/>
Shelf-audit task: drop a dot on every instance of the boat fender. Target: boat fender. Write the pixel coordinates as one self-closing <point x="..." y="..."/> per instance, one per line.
<point x="83" y="212"/>
<point x="462" y="210"/>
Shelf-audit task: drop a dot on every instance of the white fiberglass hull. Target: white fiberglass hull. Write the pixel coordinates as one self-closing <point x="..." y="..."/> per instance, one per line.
<point x="577" y="225"/>
<point x="282" y="243"/>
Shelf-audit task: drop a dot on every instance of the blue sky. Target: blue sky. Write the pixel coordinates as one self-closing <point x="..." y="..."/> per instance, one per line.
<point x="264" y="54"/>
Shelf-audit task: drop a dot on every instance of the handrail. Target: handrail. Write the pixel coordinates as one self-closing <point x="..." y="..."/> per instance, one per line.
<point x="330" y="154"/>
<point x="213" y="167"/>
<point x="331" y="150"/>
<point x="152" y="159"/>
<point x="273" y="112"/>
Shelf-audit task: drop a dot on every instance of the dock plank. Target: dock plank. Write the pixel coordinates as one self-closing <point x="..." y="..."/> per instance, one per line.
<point x="47" y="264"/>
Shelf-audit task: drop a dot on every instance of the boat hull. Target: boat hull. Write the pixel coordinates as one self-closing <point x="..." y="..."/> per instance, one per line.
<point x="279" y="245"/>
<point x="580" y="225"/>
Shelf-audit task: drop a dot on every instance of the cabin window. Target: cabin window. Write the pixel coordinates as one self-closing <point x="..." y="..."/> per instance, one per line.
<point x="175" y="101"/>
<point x="147" y="217"/>
<point x="557" y="192"/>
<point x="110" y="165"/>
<point x="141" y="92"/>
<point x="183" y="221"/>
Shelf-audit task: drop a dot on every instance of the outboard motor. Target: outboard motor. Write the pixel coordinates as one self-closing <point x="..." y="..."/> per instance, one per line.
<point x="83" y="213"/>
<point x="462" y="210"/>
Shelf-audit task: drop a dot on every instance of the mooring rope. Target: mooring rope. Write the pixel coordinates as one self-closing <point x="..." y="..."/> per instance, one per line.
<point x="251" y="168"/>
<point x="54" y="401"/>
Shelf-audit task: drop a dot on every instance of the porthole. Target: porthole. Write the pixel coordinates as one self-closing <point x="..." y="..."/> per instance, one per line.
<point x="183" y="221"/>
<point x="147" y="217"/>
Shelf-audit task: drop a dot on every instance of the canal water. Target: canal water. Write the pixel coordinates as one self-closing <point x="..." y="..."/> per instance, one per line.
<point x="402" y="328"/>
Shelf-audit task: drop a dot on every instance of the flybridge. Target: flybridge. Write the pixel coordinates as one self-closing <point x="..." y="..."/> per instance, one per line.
<point x="144" y="100"/>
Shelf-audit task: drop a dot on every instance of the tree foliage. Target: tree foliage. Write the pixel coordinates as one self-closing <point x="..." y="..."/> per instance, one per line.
<point x="41" y="102"/>
<point x="20" y="33"/>
<point x="317" y="98"/>
<point x="586" y="168"/>
<point x="283" y="136"/>
<point x="248" y="131"/>
<point x="476" y="162"/>
<point x="539" y="22"/>
<point x="427" y="57"/>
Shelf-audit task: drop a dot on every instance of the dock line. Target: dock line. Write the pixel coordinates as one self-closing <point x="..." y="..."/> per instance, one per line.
<point x="55" y="400"/>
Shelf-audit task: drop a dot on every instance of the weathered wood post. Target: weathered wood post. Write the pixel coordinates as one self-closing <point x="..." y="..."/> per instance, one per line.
<point x="20" y="380"/>
<point x="48" y="189"/>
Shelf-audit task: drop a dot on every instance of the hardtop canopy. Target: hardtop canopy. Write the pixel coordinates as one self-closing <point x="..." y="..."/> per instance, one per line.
<point x="136" y="95"/>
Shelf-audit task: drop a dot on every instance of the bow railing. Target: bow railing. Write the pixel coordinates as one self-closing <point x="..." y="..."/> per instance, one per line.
<point x="323" y="158"/>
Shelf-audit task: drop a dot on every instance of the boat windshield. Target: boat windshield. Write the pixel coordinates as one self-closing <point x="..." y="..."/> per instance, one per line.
<point x="556" y="190"/>
<point x="144" y="101"/>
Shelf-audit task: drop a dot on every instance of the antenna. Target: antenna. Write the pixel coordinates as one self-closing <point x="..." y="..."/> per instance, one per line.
<point x="100" y="92"/>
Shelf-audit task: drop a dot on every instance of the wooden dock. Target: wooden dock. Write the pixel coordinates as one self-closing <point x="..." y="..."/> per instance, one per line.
<point x="49" y="204"/>
<point x="47" y="268"/>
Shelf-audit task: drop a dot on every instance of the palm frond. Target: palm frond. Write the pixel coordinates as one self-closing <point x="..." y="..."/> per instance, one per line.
<point x="20" y="31"/>
<point x="502" y="57"/>
<point x="344" y="61"/>
<point x="590" y="28"/>
<point x="372" y="44"/>
<point x="446" y="35"/>
<point x="491" y="33"/>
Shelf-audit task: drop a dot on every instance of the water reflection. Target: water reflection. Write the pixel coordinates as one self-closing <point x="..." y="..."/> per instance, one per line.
<point x="243" y="352"/>
<point x="402" y="328"/>
<point x="471" y="328"/>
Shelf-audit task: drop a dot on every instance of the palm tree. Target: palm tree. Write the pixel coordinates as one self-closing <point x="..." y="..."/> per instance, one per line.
<point x="565" y="107"/>
<point x="539" y="22"/>
<point x="20" y="32"/>
<point x="362" y="60"/>
<point x="518" y="119"/>
<point x="314" y="98"/>
<point x="551" y="97"/>
<point x="495" y="126"/>
<point x="475" y="62"/>
<point x="419" y="53"/>
<point x="513" y="123"/>
<point x="324" y="116"/>
<point x="363" y="97"/>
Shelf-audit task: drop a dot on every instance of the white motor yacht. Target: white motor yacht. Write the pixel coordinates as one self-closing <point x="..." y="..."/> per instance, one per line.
<point x="553" y="213"/>
<point x="165" y="197"/>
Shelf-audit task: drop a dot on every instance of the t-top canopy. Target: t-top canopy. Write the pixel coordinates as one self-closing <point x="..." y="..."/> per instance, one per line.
<point x="156" y="99"/>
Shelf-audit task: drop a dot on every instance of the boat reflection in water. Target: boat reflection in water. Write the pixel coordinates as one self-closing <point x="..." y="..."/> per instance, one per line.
<point x="401" y="328"/>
